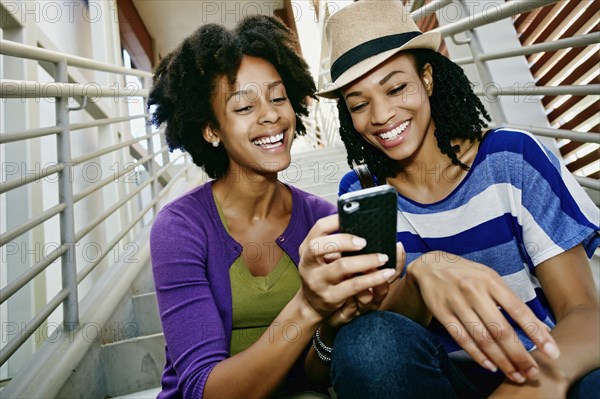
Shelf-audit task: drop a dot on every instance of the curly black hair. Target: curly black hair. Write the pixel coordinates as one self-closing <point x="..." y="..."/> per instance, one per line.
<point x="185" y="81"/>
<point x="455" y="110"/>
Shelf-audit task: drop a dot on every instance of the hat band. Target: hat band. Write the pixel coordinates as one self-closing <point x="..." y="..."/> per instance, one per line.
<point x="369" y="49"/>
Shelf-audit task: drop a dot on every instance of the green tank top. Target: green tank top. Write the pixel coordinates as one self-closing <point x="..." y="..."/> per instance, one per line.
<point x="257" y="300"/>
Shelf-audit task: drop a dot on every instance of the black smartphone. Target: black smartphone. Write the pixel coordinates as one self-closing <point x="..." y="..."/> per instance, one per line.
<point x="371" y="213"/>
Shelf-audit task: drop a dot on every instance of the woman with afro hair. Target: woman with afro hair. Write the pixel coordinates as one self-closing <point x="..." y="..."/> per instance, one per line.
<point x="242" y="294"/>
<point x="498" y="296"/>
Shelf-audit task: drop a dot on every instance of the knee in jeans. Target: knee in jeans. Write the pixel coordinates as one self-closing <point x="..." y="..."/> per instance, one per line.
<point x="370" y="339"/>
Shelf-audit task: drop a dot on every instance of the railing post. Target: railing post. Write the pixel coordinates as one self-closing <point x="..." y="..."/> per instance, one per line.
<point x="67" y="216"/>
<point x="483" y="69"/>
<point x="146" y="82"/>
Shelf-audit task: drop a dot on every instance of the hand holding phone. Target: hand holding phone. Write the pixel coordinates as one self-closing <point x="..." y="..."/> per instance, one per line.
<point x="371" y="214"/>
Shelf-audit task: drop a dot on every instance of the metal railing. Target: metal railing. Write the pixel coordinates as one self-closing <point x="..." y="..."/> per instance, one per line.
<point x="61" y="90"/>
<point x="480" y="59"/>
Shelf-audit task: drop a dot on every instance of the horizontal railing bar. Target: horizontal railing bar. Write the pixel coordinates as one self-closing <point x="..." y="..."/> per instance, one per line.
<point x="588" y="182"/>
<point x="103" y="216"/>
<point x="111" y="148"/>
<point x="31" y="89"/>
<point x="570" y="42"/>
<point x="164" y="169"/>
<point x="531" y="89"/>
<point x="168" y="166"/>
<point x="14" y="49"/>
<point x="25" y="227"/>
<point x="88" y="269"/>
<point x="23" y="180"/>
<point x="33" y="271"/>
<point x="105" y="121"/>
<point x="56" y="168"/>
<point x="109" y="179"/>
<point x="29" y="134"/>
<point x="428" y="9"/>
<point x="582" y="137"/>
<point x="46" y="131"/>
<point x="15" y="343"/>
<point x="492" y="14"/>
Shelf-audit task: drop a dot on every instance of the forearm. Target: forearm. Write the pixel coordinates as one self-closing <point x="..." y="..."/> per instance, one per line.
<point x="259" y="370"/>
<point x="578" y="339"/>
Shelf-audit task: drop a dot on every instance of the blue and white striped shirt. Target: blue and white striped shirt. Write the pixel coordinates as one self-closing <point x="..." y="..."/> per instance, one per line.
<point x="517" y="207"/>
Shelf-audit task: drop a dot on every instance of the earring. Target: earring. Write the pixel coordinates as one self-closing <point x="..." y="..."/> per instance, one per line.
<point x="215" y="143"/>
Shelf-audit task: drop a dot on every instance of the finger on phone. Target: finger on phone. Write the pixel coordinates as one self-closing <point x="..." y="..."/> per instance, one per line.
<point x="326" y="225"/>
<point x="400" y="258"/>
<point x="336" y="243"/>
<point x="348" y="266"/>
<point x="361" y="282"/>
<point x="332" y="257"/>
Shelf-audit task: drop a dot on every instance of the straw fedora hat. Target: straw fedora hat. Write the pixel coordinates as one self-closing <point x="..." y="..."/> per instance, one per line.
<point x="365" y="34"/>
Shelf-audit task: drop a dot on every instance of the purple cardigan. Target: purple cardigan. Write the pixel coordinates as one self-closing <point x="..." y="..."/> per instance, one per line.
<point x="191" y="255"/>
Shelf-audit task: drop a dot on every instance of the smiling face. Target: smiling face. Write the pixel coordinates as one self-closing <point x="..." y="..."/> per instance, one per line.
<point x="256" y="119"/>
<point x="390" y="108"/>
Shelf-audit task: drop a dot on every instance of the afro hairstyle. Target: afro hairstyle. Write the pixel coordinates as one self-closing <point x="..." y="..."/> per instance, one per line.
<point x="185" y="81"/>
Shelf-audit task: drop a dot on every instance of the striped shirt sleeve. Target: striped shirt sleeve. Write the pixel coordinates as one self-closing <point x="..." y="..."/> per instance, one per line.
<point x="557" y="214"/>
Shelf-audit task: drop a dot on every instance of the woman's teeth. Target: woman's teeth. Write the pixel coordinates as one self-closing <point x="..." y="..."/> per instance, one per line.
<point x="270" y="142"/>
<point x="394" y="133"/>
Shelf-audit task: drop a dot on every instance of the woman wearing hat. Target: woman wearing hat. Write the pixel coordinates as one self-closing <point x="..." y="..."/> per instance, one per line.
<point x="240" y="290"/>
<point x="498" y="295"/>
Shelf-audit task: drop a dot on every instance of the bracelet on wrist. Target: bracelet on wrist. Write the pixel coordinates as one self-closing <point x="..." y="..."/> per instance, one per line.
<point x="320" y="353"/>
<point x="323" y="351"/>
<point x="320" y="342"/>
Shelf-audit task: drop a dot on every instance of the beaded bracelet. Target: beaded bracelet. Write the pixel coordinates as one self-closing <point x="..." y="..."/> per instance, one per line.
<point x="322" y="345"/>
<point x="323" y="351"/>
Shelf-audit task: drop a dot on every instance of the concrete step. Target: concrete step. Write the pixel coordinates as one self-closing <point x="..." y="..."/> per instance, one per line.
<point x="320" y="154"/>
<point x="145" y="308"/>
<point x="314" y="178"/>
<point x="320" y="157"/>
<point x="311" y="167"/>
<point x="144" y="282"/>
<point x="326" y="167"/>
<point x="133" y="365"/>
<point x="147" y="394"/>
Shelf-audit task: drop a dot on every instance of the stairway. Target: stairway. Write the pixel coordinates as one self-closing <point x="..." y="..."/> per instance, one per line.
<point x="317" y="171"/>
<point x="129" y="357"/>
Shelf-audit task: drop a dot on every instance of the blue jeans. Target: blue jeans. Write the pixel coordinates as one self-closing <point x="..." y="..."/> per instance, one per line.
<point x="386" y="355"/>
